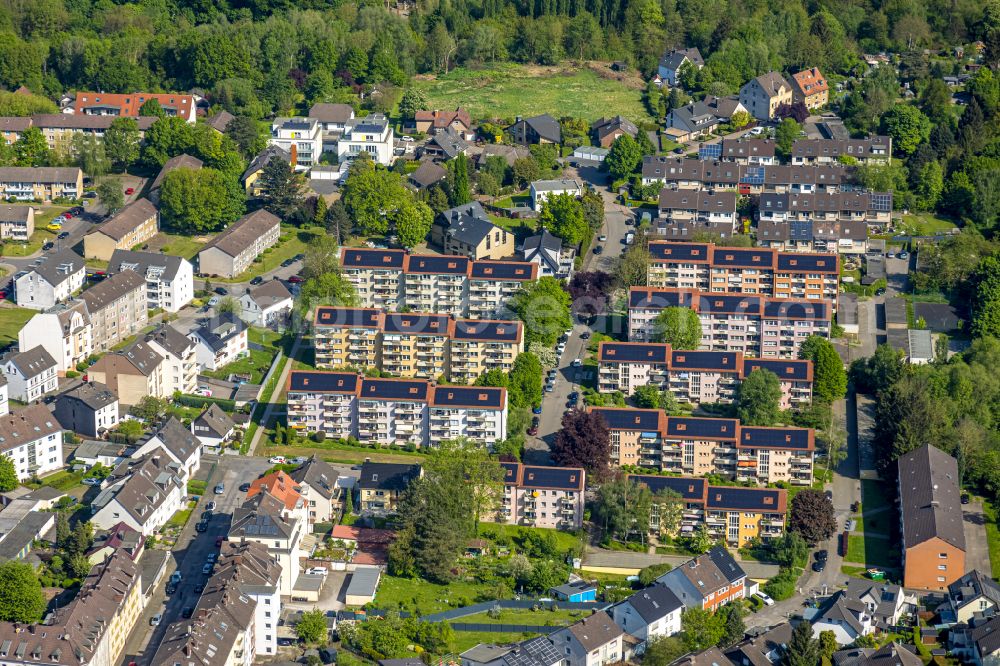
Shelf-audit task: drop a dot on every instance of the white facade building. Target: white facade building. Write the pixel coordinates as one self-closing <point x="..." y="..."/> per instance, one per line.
<point x="54" y="278"/>
<point x="302" y="137"/>
<point x="372" y="135"/>
<point x="543" y="189"/>
<point x="30" y="374"/>
<point x="33" y="439"/>
<point x="169" y="279"/>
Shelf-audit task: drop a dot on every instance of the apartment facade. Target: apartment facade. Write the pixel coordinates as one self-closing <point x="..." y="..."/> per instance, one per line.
<point x="394" y="412"/>
<point x="231" y="252"/>
<point x="730" y="513"/>
<point x="169" y="279"/>
<point x="763" y="95"/>
<point x="394" y="279"/>
<point x="753" y="325"/>
<point x="414" y="344"/>
<point x="117" y="307"/>
<point x="220" y="341"/>
<point x="129" y="104"/>
<point x="698" y="446"/>
<point x="874" y="149"/>
<point x="811" y="88"/>
<point x="180" y="364"/>
<point x="54" y="278"/>
<point x="17" y="223"/>
<point x="372" y="135"/>
<point x="133" y="225"/>
<point x="30" y="374"/>
<point x="90" y="409"/>
<point x="873" y="208"/>
<point x="59" y="129"/>
<point x="64" y="330"/>
<point x="537" y="496"/>
<point x="300" y="137"/>
<point x="267" y="520"/>
<point x="744" y="169"/>
<point x="707" y="581"/>
<point x="33" y="439"/>
<point x="764" y="271"/>
<point x="695" y="376"/>
<point x="132" y="373"/>
<point x="687" y="205"/>
<point x="40" y="183"/>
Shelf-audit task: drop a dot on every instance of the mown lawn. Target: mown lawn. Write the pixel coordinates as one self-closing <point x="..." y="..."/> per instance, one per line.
<point x="564" y="540"/>
<point x="870" y="551"/>
<point x="256" y="365"/>
<point x="12" y="320"/>
<point x="507" y="91"/>
<point x="177" y="245"/>
<point x="333" y="452"/>
<point x="180" y="518"/>
<point x="418" y="594"/>
<point x="465" y="640"/>
<point x="542" y="617"/>
<point x="924" y="224"/>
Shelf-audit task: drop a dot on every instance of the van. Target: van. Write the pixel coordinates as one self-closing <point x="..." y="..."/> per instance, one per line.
<point x="629" y="238"/>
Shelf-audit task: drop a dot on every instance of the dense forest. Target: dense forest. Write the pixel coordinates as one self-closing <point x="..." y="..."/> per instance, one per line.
<point x="258" y="57"/>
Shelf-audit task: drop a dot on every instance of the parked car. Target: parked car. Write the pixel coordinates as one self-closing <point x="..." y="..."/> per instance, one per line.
<point x="201" y="527"/>
<point x="533" y="430"/>
<point x="91" y="481"/>
<point x="821" y="555"/>
<point x="298" y="460"/>
<point x="155" y="620"/>
<point x="256" y="280"/>
<point x="768" y="601"/>
<point x="880" y="291"/>
<point x="63" y="235"/>
<point x="549" y="388"/>
<point x="287" y="262"/>
<point x="537" y="409"/>
<point x="211" y="506"/>
<point x="53" y="226"/>
<point x="220" y="488"/>
<point x="819" y="565"/>
<point x="187" y="612"/>
<point x="276" y="460"/>
<point x="221" y="291"/>
<point x="577" y="362"/>
<point x="131" y="190"/>
<point x="965" y="498"/>
<point x="207" y="568"/>
<point x="245" y="487"/>
<point x="176" y="577"/>
<point x="602" y="237"/>
<point x="317" y="571"/>
<point x="211" y="558"/>
<point x="904" y="255"/>
<point x="598" y="249"/>
<point x="48" y="246"/>
<point x="295" y="279"/>
<point x="585" y="335"/>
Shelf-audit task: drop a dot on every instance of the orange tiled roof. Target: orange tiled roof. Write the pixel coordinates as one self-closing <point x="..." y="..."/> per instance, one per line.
<point x="811" y="81"/>
<point x="280" y="485"/>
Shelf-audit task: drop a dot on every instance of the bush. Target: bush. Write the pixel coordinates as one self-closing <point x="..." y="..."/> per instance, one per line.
<point x="200" y="401"/>
<point x="782" y="586"/>
<point x="72" y="374"/>
<point x="319" y="437"/>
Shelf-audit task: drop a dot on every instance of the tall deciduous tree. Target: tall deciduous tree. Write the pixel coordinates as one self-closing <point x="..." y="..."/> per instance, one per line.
<point x="110" y="194"/>
<point x="412" y="220"/>
<point x="701" y="629"/>
<point x="562" y="215"/>
<point x="986" y="298"/>
<point x="759" y="402"/>
<point x="312" y="628"/>
<point x="679" y="327"/>
<point x="544" y="307"/>
<point x="786" y="134"/>
<point x="525" y="386"/>
<point x="907" y="126"/>
<point x="196" y="200"/>
<point x="121" y="143"/>
<point x="31" y="149"/>
<point x="584" y="441"/>
<point x="8" y="474"/>
<point x="151" y="107"/>
<point x="624" y="157"/>
<point x="372" y="195"/>
<point x="21" y="598"/>
<point x="811" y="516"/>
<point x="829" y="376"/>
<point x="413" y="100"/>
<point x="245" y="133"/>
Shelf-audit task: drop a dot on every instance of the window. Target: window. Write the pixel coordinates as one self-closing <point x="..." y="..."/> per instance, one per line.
<point x="940" y="579"/>
<point x="942" y="567"/>
<point x="943" y="556"/>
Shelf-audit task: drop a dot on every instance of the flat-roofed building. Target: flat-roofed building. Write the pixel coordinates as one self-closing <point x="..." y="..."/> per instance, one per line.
<point x="323" y="402"/>
<point x="493" y="283"/>
<point x="478" y="346"/>
<point x="301" y="137"/>
<point x="436" y="283"/>
<point x="415" y="344"/>
<point x="133" y="225"/>
<point x="232" y="251"/>
<point x="625" y="366"/>
<point x="478" y="413"/>
<point x="538" y="496"/>
<point x="346" y="337"/>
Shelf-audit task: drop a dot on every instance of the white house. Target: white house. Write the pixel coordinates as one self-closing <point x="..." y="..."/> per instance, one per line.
<point x="65" y="331"/>
<point x="169" y="279"/>
<point x="180" y="364"/>
<point x="548" y="252"/>
<point x="543" y="189"/>
<point x="847" y="618"/>
<point x="302" y="137"/>
<point x="318" y="485"/>
<point x="372" y="134"/>
<point x="220" y="341"/>
<point x="213" y="428"/>
<point x="30" y="374"/>
<point x="4" y="395"/>
<point x="33" y="439"/>
<point x="672" y="62"/>
<point x="973" y="593"/>
<point x="267" y="520"/>
<point x="593" y="641"/>
<point x="90" y="409"/>
<point x="266" y="304"/>
<point x="649" y="613"/>
<point x="179" y="444"/>
<point x="142" y="492"/>
<point x="886" y="603"/>
<point x="55" y="277"/>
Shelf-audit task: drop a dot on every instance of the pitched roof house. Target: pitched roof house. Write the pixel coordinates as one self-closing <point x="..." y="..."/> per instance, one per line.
<point x="707" y="581"/>
<point x="811" y="88"/>
<point x="672" y="62"/>
<point x="213" y="427"/>
<point x="847" y="618"/>
<point x="606" y="130"/>
<point x="467" y="230"/>
<point x="763" y="95"/>
<point x="547" y="251"/>
<point x="537" y="129"/>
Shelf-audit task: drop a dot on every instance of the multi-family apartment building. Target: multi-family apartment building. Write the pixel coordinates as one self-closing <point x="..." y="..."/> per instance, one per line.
<point x="742" y="172"/>
<point x="92" y="629"/>
<point x="236" y="618"/>
<point x="874" y="208"/>
<point x="810" y="87"/>
<point x="394" y="412"/>
<point x="277" y="523"/>
<point x="17" y="223"/>
<point x="874" y="149"/>
<point x="748" y="151"/>
<point x="372" y="135"/>
<point x="751" y="324"/>
<point x="59" y="129"/>
<point x="132" y="373"/>
<point x="169" y="279"/>
<point x="707" y="581"/>
<point x="53" y="278"/>
<point x="143" y="493"/>
<point x="450" y="284"/>
<point x="825" y="236"/>
<point x="33" y="439"/>
<point x="537" y="496"/>
<point x="695" y="376"/>
<point x="128" y="105"/>
<point x="301" y="137"/>
<point x="699" y="446"/>
<point x="687" y="205"/>
<point x="232" y="251"/>
<point x="118" y="308"/>
<point x="220" y="341"/>
<point x="90" y="409"/>
<point x="65" y="332"/>
<point x="733" y="513"/>
<point x="133" y="225"/>
<point x="40" y="183"/>
<point x="30" y="374"/>
<point x="414" y="344"/>
<point x="765" y="94"/>
<point x="765" y="271"/>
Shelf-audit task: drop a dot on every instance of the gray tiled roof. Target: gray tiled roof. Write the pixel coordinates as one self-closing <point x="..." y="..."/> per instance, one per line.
<point x="929" y="495"/>
<point x="32" y="362"/>
<point x="57" y="267"/>
<point x="127" y="219"/>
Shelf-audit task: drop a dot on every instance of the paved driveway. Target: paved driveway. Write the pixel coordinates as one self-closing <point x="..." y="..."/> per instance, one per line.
<point x="977" y="553"/>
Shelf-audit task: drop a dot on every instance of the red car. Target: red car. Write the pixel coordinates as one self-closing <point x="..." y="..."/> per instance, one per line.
<point x="68" y="216"/>
<point x="3" y="294"/>
<point x="130" y="190"/>
<point x="295" y="279"/>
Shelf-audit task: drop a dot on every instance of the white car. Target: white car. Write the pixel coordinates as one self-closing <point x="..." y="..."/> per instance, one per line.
<point x="276" y="460"/>
<point x="155" y="620"/>
<point x="207" y="569"/>
<point x="602" y="238"/>
<point x="91" y="482"/>
<point x="768" y="601"/>
<point x="577" y="362"/>
<point x="212" y="302"/>
<point x="406" y="138"/>
<point x="317" y="571"/>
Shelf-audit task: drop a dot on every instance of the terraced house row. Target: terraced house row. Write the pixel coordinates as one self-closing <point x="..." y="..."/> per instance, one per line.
<point x="394" y="412"/>
<point x="733" y="513"/>
<point x="750" y="324"/>
<point x="695" y="376"/>
<point x="764" y="271"/>
<point x="443" y="284"/>
<point x="699" y="446"/>
<point x="414" y="344"/>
